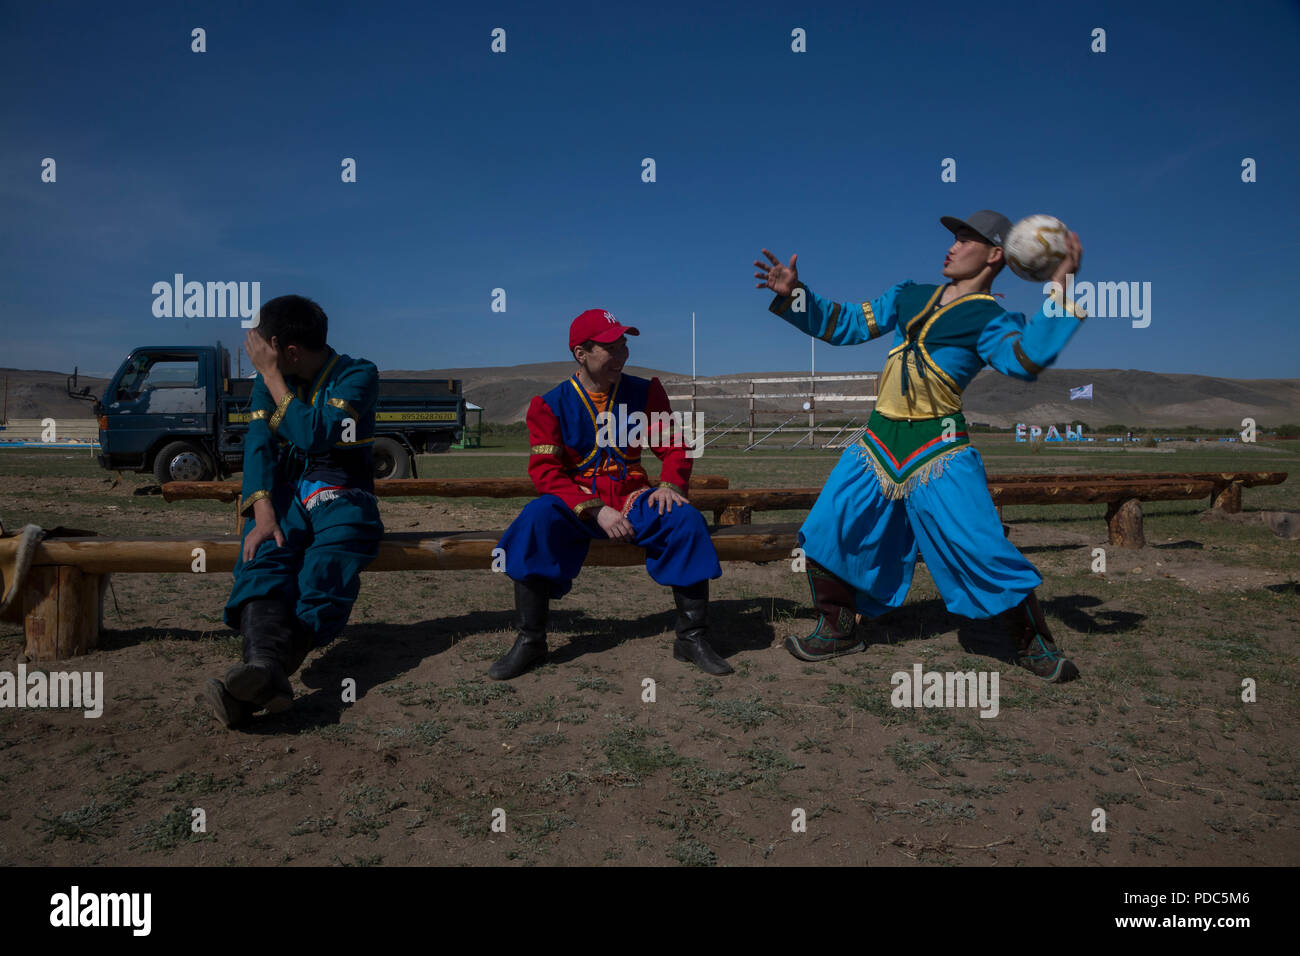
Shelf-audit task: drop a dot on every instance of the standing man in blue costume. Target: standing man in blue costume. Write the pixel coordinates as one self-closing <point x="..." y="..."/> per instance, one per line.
<point x="309" y="486"/>
<point x="914" y="479"/>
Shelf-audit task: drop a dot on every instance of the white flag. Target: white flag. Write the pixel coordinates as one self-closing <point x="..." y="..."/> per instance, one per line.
<point x="1083" y="391"/>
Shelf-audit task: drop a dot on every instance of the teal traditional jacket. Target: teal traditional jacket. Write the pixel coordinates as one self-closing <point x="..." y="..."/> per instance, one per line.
<point x="306" y="445"/>
<point x="935" y="350"/>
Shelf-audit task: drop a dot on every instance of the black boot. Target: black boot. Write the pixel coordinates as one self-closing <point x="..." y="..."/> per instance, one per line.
<point x="271" y="643"/>
<point x="693" y="628"/>
<point x="533" y="602"/>
<point x="834" y="634"/>
<point x="231" y="712"/>
<point x="302" y="641"/>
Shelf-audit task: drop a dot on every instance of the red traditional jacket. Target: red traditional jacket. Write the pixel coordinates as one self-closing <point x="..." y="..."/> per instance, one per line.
<point x="587" y="458"/>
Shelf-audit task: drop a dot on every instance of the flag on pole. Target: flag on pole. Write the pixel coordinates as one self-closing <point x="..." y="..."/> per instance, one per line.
<point x="1083" y="391"/>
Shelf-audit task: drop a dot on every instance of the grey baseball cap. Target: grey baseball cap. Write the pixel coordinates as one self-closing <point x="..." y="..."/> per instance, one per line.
<point x="993" y="226"/>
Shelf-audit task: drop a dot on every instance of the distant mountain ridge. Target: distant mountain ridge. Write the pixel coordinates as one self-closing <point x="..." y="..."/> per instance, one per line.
<point x="1120" y="396"/>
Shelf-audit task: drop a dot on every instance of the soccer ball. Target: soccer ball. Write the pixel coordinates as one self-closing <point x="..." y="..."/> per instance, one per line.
<point x="1036" y="247"/>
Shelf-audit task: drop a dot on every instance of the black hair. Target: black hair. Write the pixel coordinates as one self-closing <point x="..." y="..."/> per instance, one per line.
<point x="294" y="320"/>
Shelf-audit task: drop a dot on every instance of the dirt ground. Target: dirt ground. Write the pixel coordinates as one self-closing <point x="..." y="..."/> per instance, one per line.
<point x="714" y="770"/>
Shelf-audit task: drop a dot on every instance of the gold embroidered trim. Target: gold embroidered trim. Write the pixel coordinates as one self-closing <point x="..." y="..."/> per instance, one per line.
<point x="320" y="379"/>
<point x="545" y="449"/>
<point x="669" y="484"/>
<point x="929" y="324"/>
<point x="246" y="508"/>
<point x="259" y="416"/>
<point x="869" y="314"/>
<point x="582" y="506"/>
<point x="339" y="403"/>
<point x="896" y="491"/>
<point x="834" y="321"/>
<point x="631" y="500"/>
<point x="280" y="409"/>
<point x="1030" y="366"/>
<point x="783" y="302"/>
<point x="1071" y="307"/>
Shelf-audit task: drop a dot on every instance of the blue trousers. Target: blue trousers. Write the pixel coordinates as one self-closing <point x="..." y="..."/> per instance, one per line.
<point x="549" y="541"/>
<point x="319" y="568"/>
<point x="870" y="541"/>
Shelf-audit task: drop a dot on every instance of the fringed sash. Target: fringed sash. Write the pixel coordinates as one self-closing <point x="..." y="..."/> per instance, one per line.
<point x="903" y="454"/>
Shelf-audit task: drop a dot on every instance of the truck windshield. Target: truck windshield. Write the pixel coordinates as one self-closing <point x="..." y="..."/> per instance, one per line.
<point x="144" y="375"/>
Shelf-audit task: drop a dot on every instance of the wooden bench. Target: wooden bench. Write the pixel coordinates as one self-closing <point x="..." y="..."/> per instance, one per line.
<point x="400" y="488"/>
<point x="1122" y="493"/>
<point x="61" y="604"/>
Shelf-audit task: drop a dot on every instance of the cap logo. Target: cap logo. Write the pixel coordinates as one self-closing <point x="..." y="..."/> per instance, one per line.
<point x="610" y="319"/>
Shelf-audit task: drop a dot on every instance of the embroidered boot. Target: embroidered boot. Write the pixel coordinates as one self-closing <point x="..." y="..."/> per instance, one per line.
<point x="1036" y="652"/>
<point x="833" y="636"/>
<point x="533" y="602"/>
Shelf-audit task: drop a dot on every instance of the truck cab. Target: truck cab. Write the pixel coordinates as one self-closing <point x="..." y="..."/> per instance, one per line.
<point x="176" y="411"/>
<point x="162" y="399"/>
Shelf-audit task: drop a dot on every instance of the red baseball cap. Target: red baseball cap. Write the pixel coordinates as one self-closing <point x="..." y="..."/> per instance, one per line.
<point x="597" y="325"/>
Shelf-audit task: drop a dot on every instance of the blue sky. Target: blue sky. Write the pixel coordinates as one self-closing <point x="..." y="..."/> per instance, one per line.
<point x="522" y="171"/>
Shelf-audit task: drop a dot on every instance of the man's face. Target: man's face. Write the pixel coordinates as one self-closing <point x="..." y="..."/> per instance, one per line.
<point x="967" y="256"/>
<point x="605" y="360"/>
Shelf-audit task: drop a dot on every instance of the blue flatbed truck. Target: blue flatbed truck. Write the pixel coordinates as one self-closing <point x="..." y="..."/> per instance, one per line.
<point x="177" y="412"/>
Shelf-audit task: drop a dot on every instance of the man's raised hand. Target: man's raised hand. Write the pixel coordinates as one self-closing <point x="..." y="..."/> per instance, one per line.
<point x="260" y="352"/>
<point x="781" y="279"/>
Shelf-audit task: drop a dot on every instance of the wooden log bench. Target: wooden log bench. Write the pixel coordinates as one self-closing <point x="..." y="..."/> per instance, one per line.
<point x="399" y="488"/>
<point x="1122" y="493"/>
<point x="61" y="604"/>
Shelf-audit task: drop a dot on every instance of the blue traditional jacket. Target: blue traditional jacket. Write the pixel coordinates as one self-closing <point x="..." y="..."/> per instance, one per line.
<point x="936" y="350"/>
<point x="300" y="446"/>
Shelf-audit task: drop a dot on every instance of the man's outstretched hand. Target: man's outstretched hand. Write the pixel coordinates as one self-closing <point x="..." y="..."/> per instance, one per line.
<point x="781" y="279"/>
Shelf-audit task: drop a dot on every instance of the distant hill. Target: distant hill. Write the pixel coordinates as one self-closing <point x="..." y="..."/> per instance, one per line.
<point x="43" y="394"/>
<point x="1132" y="397"/>
<point x="1120" y="396"/>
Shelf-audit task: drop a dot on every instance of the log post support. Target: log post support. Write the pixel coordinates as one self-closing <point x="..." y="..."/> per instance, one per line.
<point x="1227" y="497"/>
<point x="1124" y="521"/>
<point x="62" y="612"/>
<point x="732" y="515"/>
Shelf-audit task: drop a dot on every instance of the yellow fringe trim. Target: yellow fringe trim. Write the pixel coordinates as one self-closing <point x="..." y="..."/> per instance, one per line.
<point x="896" y="491"/>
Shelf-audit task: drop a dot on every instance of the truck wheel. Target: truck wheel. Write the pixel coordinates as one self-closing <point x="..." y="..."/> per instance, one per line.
<point x="391" y="459"/>
<point x="182" y="461"/>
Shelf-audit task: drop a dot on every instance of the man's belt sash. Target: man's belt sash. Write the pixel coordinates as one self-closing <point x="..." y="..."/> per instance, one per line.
<point x="905" y="453"/>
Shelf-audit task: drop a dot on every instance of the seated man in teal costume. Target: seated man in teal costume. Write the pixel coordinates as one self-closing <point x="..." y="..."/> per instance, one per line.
<point x="914" y="479"/>
<point x="309" y="485"/>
